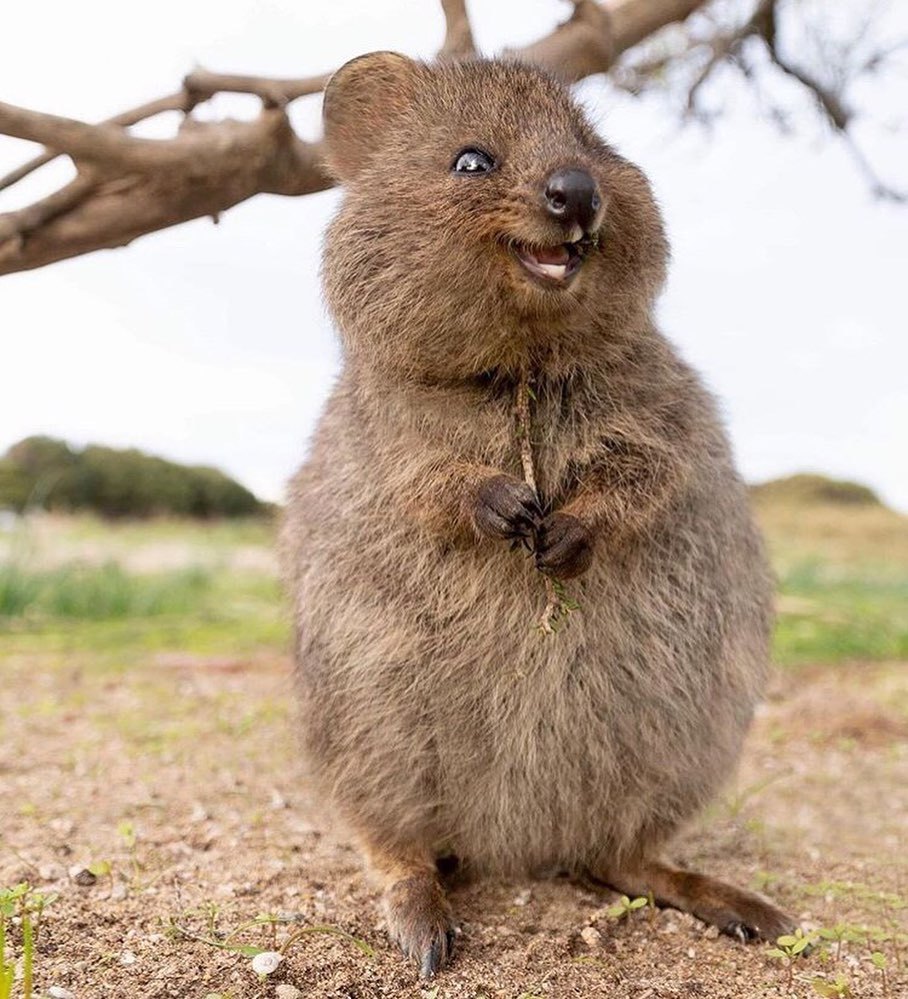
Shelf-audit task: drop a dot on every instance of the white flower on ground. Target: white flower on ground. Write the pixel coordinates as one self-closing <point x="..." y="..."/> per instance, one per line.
<point x="266" y="962"/>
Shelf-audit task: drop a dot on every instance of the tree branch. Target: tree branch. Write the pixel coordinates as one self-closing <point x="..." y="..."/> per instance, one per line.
<point x="179" y="101"/>
<point x="128" y="186"/>
<point x="458" y="43"/>
<point x="102" y="210"/>
<point x="202" y="85"/>
<point x="92" y="143"/>
<point x="840" y="118"/>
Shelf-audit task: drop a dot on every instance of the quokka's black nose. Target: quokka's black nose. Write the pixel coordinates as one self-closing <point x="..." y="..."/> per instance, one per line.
<point x="572" y="197"/>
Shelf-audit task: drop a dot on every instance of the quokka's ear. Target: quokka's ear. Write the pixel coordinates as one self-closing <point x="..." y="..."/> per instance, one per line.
<point x="361" y="100"/>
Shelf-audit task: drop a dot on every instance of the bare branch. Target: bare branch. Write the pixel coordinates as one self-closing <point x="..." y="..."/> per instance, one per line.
<point x="92" y="143"/>
<point x="180" y="101"/>
<point x="202" y="85"/>
<point x="595" y="35"/>
<point x="112" y="209"/>
<point x="634" y="21"/>
<point x="828" y="98"/>
<point x="458" y="43"/>
<point x="18" y="225"/>
<point x="581" y="46"/>
<point x="839" y="116"/>
<point x="127" y="186"/>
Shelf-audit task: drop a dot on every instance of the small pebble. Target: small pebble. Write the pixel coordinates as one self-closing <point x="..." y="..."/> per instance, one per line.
<point x="82" y="876"/>
<point x="119" y="892"/>
<point x="266" y="962"/>
<point x="591" y="936"/>
<point x="199" y="813"/>
<point x="286" y="991"/>
<point x="58" y="992"/>
<point x="523" y="898"/>
<point x="127" y="958"/>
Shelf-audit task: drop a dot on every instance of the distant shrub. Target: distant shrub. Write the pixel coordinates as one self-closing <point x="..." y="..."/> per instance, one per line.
<point x="15" y="486"/>
<point x="47" y="473"/>
<point x="806" y="490"/>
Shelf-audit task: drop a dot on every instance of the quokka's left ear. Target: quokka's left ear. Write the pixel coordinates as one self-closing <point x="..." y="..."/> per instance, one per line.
<point x="361" y="100"/>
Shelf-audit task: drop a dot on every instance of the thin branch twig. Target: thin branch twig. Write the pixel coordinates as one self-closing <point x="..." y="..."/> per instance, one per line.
<point x="556" y="607"/>
<point x="203" y="85"/>
<point x="458" y="43"/>
<point x="127" y="186"/>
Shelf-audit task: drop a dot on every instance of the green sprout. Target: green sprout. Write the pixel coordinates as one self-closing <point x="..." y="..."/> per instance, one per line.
<point x="878" y="960"/>
<point x="25" y="906"/>
<point x="791" y="946"/>
<point x="832" y="988"/>
<point x="625" y="906"/>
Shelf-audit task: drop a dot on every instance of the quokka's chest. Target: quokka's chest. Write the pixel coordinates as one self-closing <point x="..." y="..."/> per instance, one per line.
<point x="564" y="437"/>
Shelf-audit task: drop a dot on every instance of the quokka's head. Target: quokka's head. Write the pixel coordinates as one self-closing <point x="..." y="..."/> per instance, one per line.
<point x="483" y="217"/>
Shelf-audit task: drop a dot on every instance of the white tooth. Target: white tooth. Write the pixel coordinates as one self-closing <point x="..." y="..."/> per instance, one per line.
<point x="576" y="234"/>
<point x="556" y="271"/>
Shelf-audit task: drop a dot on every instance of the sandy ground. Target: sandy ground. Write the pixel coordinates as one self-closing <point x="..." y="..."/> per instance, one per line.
<point x="180" y="775"/>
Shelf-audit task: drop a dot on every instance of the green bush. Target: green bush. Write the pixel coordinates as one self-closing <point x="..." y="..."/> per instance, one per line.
<point x="15" y="485"/>
<point x="47" y="473"/>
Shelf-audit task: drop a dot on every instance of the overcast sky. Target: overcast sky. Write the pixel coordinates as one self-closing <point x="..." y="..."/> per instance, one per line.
<point x="211" y="344"/>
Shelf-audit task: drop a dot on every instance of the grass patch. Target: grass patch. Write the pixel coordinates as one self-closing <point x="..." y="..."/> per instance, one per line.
<point x="827" y="616"/>
<point x="79" y="584"/>
<point x="99" y="593"/>
<point x="116" y="613"/>
<point x="843" y="581"/>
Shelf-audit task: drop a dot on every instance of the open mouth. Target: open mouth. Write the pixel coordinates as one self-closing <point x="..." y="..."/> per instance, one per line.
<point x="553" y="266"/>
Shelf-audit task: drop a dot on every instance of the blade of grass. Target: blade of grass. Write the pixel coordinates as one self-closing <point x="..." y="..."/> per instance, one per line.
<point x="334" y="931"/>
<point x="28" y="956"/>
<point x="247" y="950"/>
<point x="6" y="971"/>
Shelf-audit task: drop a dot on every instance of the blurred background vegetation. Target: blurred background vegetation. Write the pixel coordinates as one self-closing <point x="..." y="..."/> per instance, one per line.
<point x="121" y="551"/>
<point x="46" y="473"/>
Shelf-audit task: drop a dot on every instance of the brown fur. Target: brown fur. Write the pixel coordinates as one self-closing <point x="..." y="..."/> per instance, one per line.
<point x="437" y="717"/>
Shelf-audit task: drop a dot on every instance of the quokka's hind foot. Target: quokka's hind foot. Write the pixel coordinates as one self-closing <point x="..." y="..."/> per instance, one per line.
<point x="420" y="922"/>
<point x="740" y="914"/>
<point x="417" y="912"/>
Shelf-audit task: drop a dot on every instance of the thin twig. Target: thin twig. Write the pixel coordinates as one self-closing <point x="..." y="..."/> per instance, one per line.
<point x="203" y="84"/>
<point x="458" y="43"/>
<point x="556" y="606"/>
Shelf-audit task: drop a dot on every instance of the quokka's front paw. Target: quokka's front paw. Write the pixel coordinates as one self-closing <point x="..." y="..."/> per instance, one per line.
<point x="507" y="509"/>
<point x="420" y="922"/>
<point x="564" y="547"/>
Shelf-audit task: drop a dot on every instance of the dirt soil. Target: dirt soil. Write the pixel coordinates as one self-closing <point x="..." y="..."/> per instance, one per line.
<point x="178" y="782"/>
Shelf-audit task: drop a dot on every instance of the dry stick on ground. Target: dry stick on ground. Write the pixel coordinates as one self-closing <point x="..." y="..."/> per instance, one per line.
<point x="557" y="605"/>
<point x="126" y="187"/>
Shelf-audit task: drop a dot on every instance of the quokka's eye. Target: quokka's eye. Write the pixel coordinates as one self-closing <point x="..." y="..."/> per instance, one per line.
<point x="472" y="161"/>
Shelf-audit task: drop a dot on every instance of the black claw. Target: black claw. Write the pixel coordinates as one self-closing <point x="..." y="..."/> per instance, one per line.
<point x="741" y="932"/>
<point x="433" y="958"/>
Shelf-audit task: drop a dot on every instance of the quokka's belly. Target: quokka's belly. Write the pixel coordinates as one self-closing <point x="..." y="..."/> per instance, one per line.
<point x="436" y="711"/>
<point x="547" y="773"/>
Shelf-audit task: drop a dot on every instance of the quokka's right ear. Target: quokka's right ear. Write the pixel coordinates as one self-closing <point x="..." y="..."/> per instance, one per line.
<point x="361" y="100"/>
